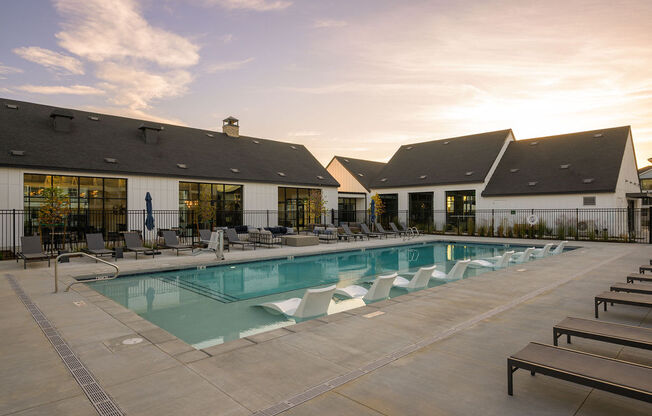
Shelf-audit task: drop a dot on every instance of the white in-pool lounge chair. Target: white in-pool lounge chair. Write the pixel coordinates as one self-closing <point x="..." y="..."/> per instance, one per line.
<point x="522" y="256"/>
<point x="419" y="280"/>
<point x="560" y="248"/>
<point x="314" y="303"/>
<point x="497" y="262"/>
<point x="542" y="252"/>
<point x="457" y="272"/>
<point x="379" y="290"/>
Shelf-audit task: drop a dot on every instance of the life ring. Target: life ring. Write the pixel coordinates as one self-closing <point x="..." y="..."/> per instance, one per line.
<point x="533" y="219"/>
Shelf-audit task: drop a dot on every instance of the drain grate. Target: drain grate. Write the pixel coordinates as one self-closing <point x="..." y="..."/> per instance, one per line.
<point x="98" y="397"/>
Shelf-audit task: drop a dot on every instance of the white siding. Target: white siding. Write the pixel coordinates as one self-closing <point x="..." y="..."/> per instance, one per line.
<point x="348" y="182"/>
<point x="11" y="188"/>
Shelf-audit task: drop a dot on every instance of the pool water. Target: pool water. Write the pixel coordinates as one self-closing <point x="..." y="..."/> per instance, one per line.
<point x="217" y="304"/>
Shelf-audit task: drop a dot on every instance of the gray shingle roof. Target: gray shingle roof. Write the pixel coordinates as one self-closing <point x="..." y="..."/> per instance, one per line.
<point x="93" y="137"/>
<point x="582" y="162"/>
<point x="464" y="159"/>
<point x="364" y="171"/>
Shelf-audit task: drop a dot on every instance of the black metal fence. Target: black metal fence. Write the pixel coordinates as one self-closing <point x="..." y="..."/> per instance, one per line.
<point x="600" y="224"/>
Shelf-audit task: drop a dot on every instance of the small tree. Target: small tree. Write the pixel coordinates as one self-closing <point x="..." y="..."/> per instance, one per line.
<point x="55" y="209"/>
<point x="317" y="203"/>
<point x="203" y="210"/>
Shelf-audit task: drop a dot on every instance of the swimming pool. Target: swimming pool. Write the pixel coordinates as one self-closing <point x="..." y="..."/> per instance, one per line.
<point x="217" y="304"/>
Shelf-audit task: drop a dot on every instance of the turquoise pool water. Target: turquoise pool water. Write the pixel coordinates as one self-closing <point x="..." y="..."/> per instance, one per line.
<point x="217" y="304"/>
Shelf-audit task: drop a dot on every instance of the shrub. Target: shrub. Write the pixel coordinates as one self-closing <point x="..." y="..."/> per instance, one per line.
<point x="470" y="226"/>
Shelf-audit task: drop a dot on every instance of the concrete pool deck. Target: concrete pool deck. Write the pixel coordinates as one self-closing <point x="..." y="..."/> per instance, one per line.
<point x="440" y="351"/>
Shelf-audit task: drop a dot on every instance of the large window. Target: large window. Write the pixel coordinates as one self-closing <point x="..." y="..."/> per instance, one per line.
<point x="96" y="204"/>
<point x="421" y="210"/>
<point x="346" y="209"/>
<point x="390" y="202"/>
<point x="213" y="204"/>
<point x="460" y="209"/>
<point x="294" y="208"/>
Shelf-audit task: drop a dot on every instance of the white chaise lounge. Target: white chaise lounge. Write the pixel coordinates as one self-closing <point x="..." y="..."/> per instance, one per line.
<point x="313" y="304"/>
<point x="560" y="248"/>
<point x="542" y="252"/>
<point x="497" y="262"/>
<point x="522" y="256"/>
<point x="457" y="272"/>
<point x="379" y="290"/>
<point x="419" y="280"/>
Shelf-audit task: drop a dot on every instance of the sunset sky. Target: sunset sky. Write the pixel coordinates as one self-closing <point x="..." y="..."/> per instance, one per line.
<point x="355" y="78"/>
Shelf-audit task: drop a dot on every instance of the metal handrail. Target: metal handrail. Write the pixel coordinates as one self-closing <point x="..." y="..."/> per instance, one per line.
<point x="77" y="254"/>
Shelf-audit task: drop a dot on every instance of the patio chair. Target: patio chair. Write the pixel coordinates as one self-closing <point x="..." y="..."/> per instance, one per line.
<point x="171" y="241"/>
<point x="560" y="248"/>
<point x="638" y="277"/>
<point x="457" y="272"/>
<point x="31" y="250"/>
<point x="134" y="243"/>
<point x="396" y="230"/>
<point x="365" y="231"/>
<point x="204" y="238"/>
<point x="379" y="290"/>
<point x="233" y="238"/>
<point x="267" y="238"/>
<point x="95" y="245"/>
<point x="522" y="256"/>
<point x="542" y="252"/>
<point x="497" y="262"/>
<point x="350" y="234"/>
<point x="381" y="230"/>
<point x="644" y="268"/>
<point x="608" y="374"/>
<point x="419" y="280"/>
<point x="628" y="335"/>
<point x="314" y="303"/>
<point x="632" y="299"/>
<point x="329" y="235"/>
<point x="254" y="236"/>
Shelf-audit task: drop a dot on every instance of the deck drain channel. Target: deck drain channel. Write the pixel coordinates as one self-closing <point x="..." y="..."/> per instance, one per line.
<point x="333" y="383"/>
<point x="97" y="396"/>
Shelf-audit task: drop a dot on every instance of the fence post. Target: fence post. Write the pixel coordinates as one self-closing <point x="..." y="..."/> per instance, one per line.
<point x="267" y="218"/>
<point x="577" y="224"/>
<point x="333" y="216"/>
<point x="493" y="230"/>
<point x="143" y="225"/>
<point x="649" y="226"/>
<point x="13" y="226"/>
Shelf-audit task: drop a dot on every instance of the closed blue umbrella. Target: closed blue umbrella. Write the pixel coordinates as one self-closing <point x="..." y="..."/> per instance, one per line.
<point x="149" y="220"/>
<point x="372" y="215"/>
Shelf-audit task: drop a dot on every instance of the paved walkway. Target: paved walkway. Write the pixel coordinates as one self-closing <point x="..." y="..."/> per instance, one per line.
<point x="458" y="335"/>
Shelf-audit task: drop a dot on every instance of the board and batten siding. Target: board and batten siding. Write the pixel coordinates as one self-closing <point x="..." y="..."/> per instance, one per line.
<point x="348" y="183"/>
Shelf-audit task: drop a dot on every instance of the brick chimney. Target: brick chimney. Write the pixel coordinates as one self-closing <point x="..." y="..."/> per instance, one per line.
<point x="231" y="127"/>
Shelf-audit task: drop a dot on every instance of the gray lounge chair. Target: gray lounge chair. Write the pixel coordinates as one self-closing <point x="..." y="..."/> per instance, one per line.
<point x="608" y="374"/>
<point x="134" y="243"/>
<point x="638" y="277"/>
<point x="628" y="335"/>
<point x="645" y="268"/>
<point x="95" y="245"/>
<point x="31" y="250"/>
<point x="632" y="299"/>
<point x="233" y="238"/>
<point x="644" y="288"/>
<point x="396" y="230"/>
<point x="365" y="231"/>
<point x="350" y="234"/>
<point x="172" y="242"/>
<point x="381" y="230"/>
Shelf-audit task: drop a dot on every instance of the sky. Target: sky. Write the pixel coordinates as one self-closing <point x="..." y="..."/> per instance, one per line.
<point x="350" y="78"/>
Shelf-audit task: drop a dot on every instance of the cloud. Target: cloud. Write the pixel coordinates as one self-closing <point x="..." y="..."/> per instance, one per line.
<point x="6" y="70"/>
<point x="100" y="30"/>
<point x="305" y="133"/>
<point x="136" y="88"/>
<point x="228" y="38"/>
<point x="326" y="23"/>
<point x="60" y="89"/>
<point x="227" y="66"/>
<point x="51" y="59"/>
<point x="255" y="5"/>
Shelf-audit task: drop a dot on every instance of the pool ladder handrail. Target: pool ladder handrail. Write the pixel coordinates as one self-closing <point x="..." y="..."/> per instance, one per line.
<point x="411" y="233"/>
<point x="77" y="254"/>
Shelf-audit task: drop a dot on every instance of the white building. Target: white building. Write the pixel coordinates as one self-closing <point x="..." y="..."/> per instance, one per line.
<point x="490" y="179"/>
<point x="107" y="164"/>
<point x="354" y="193"/>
